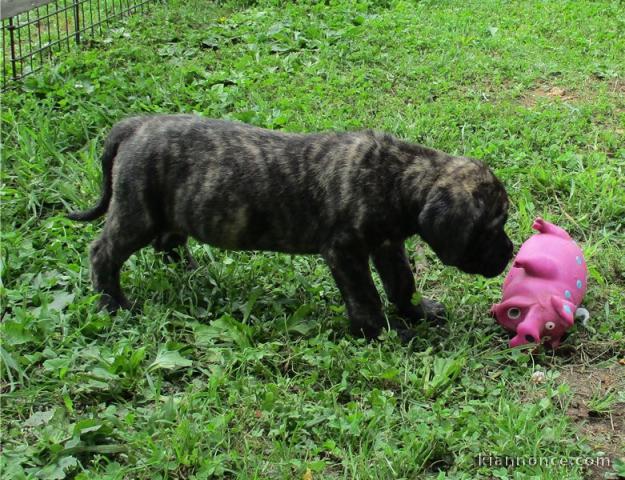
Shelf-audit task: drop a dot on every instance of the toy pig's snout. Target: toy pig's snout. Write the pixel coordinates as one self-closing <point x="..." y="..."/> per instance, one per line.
<point x="522" y="338"/>
<point x="528" y="331"/>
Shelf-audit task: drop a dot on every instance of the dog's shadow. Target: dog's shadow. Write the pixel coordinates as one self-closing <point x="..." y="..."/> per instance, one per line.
<point x="264" y="290"/>
<point x="275" y="294"/>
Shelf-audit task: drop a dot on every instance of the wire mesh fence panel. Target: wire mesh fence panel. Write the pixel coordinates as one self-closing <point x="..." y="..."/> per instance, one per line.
<point x="35" y="31"/>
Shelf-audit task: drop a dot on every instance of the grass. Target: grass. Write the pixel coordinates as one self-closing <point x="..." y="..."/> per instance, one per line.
<point x="244" y="368"/>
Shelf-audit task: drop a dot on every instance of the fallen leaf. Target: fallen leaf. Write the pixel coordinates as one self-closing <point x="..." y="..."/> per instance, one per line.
<point x="169" y="360"/>
<point x="61" y="300"/>
<point x="39" y="418"/>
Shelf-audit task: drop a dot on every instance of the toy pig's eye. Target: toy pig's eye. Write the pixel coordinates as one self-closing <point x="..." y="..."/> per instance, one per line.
<point x="550" y="325"/>
<point x="514" y="313"/>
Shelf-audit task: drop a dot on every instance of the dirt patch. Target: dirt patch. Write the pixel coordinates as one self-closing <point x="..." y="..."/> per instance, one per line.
<point x="531" y="98"/>
<point x="595" y="402"/>
<point x="598" y="408"/>
<point x="584" y="92"/>
<point x="588" y="353"/>
<point x="617" y="86"/>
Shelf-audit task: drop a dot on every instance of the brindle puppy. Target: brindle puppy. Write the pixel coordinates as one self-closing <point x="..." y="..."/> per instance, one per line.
<point x="346" y="196"/>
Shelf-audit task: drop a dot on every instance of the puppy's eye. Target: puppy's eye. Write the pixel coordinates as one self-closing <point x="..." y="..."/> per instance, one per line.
<point x="550" y="325"/>
<point x="514" y="313"/>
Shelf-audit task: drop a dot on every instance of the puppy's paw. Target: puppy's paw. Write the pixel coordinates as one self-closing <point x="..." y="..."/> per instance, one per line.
<point x="112" y="305"/>
<point x="432" y="312"/>
<point x="109" y="304"/>
<point x="405" y="335"/>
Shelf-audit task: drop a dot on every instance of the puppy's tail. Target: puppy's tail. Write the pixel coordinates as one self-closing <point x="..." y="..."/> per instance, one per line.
<point x="119" y="133"/>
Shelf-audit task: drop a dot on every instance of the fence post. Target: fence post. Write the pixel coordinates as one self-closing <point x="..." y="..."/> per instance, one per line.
<point x="12" y="40"/>
<point x="77" y="20"/>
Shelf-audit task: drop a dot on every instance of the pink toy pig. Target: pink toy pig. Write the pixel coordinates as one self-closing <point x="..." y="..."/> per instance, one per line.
<point x="543" y="288"/>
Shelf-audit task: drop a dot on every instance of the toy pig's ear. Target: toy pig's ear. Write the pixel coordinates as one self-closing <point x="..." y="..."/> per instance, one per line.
<point x="538" y="224"/>
<point x="564" y="308"/>
<point x="541" y="267"/>
<point x="545" y="227"/>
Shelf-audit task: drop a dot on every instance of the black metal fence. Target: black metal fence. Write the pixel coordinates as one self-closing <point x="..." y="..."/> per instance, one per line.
<point x="34" y="31"/>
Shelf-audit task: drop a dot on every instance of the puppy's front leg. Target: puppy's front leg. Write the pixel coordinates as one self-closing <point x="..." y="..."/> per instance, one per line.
<point x="391" y="262"/>
<point x="350" y="269"/>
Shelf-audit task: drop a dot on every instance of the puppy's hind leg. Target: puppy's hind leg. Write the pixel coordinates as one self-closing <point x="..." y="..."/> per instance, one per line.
<point x="121" y="237"/>
<point x="175" y="249"/>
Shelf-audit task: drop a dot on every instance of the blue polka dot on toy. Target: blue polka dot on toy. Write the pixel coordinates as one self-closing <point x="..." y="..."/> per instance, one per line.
<point x="579" y="284"/>
<point x="567" y="293"/>
<point x="567" y="309"/>
<point x="578" y="259"/>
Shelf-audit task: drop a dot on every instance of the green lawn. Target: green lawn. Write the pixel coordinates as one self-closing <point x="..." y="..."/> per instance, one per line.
<point x="244" y="368"/>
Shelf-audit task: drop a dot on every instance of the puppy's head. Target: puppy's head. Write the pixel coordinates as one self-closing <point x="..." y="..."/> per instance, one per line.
<point x="463" y="218"/>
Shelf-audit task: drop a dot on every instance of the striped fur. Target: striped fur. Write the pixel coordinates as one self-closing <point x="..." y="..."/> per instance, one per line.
<point x="348" y="196"/>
